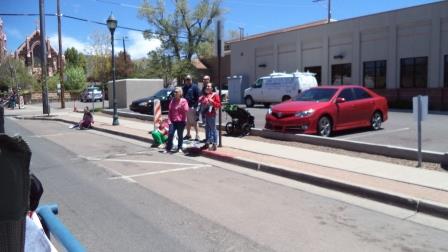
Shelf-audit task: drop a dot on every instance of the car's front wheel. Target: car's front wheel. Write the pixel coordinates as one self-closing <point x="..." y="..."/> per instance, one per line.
<point x="376" y="121"/>
<point x="324" y="126"/>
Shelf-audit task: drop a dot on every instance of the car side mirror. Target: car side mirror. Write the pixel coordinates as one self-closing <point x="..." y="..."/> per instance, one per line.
<point x="340" y="100"/>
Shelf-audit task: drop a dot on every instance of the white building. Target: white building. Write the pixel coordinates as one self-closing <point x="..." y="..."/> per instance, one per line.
<point x="398" y="53"/>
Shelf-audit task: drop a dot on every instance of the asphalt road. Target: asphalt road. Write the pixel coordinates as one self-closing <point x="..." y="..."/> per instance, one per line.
<point x="120" y="195"/>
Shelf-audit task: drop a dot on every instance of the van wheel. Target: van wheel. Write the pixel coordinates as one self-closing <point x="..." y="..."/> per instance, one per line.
<point x="249" y="102"/>
<point x="266" y="105"/>
<point x="286" y="98"/>
<point x="324" y="126"/>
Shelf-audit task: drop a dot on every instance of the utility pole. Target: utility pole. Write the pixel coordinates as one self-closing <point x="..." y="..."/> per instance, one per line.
<point x="43" y="59"/>
<point x="329" y="9"/>
<point x="241" y="32"/>
<point x="61" y="67"/>
<point x="124" y="49"/>
<point x="219" y="52"/>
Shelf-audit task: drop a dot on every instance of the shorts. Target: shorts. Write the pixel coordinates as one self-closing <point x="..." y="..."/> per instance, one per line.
<point x="192" y="117"/>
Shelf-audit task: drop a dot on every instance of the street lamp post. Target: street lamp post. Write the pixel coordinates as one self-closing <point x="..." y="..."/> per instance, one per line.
<point x="112" y="24"/>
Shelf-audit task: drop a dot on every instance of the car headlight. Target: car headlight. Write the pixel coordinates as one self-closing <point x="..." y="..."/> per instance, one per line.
<point x="304" y="113"/>
<point x="269" y="111"/>
<point x="143" y="104"/>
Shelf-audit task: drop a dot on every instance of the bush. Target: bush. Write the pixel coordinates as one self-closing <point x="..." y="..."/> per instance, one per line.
<point x="52" y="83"/>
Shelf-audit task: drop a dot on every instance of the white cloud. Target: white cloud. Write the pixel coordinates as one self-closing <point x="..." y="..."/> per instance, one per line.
<point x="68" y="42"/>
<point x="139" y="46"/>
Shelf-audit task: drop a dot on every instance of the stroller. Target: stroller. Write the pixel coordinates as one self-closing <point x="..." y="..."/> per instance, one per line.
<point x="242" y="120"/>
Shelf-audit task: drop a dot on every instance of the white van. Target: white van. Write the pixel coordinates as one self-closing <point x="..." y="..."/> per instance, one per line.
<point x="278" y="87"/>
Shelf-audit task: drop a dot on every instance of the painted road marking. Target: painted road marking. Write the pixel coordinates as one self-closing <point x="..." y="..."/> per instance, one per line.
<point x="375" y="133"/>
<point x="52" y="135"/>
<point x="159" y="172"/>
<point x="146" y="162"/>
<point x="135" y="161"/>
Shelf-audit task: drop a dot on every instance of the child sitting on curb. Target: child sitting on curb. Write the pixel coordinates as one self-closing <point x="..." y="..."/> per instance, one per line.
<point x="160" y="134"/>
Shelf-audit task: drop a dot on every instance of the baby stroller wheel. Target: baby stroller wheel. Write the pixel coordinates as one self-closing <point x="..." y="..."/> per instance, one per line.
<point x="230" y="128"/>
<point x="245" y="129"/>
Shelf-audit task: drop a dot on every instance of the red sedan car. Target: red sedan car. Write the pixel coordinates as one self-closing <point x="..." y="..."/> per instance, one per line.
<point x="325" y="109"/>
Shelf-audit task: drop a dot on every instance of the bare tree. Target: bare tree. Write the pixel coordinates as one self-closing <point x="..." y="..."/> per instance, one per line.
<point x="99" y="60"/>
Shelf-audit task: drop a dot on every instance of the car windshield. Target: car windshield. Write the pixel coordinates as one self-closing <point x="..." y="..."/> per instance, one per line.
<point x="163" y="93"/>
<point x="317" y="94"/>
<point x="95" y="90"/>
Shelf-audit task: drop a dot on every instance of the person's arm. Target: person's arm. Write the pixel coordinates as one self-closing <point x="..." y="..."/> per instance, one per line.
<point x="216" y="101"/>
<point x="184" y="105"/>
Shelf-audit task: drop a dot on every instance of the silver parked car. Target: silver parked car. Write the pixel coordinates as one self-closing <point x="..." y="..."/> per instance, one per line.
<point x="92" y="93"/>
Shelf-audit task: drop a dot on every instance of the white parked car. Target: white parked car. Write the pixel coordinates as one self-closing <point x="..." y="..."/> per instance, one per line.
<point x="278" y="87"/>
<point x="92" y="93"/>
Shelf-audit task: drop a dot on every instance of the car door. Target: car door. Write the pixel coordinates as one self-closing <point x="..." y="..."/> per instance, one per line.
<point x="363" y="107"/>
<point x="257" y="91"/>
<point x="345" y="117"/>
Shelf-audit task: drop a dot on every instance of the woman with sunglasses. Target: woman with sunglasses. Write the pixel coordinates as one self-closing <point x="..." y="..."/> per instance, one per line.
<point x="177" y="113"/>
<point x="210" y="102"/>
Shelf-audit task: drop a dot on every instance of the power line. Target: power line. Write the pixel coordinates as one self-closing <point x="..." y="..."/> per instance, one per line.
<point x="88" y="21"/>
<point x="72" y="17"/>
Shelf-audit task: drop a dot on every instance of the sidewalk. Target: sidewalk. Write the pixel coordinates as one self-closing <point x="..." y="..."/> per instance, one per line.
<point x="412" y="188"/>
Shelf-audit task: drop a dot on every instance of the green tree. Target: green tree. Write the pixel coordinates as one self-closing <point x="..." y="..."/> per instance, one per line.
<point x="124" y="65"/>
<point x="76" y="78"/>
<point x="74" y="58"/>
<point x="14" y="73"/>
<point x="184" y="32"/>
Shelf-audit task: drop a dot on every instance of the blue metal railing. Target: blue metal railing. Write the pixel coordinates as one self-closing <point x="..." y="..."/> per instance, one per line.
<point x="48" y="215"/>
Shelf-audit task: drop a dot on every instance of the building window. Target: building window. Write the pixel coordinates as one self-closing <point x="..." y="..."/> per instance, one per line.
<point x="446" y="71"/>
<point x="317" y="70"/>
<point x="375" y="74"/>
<point x="414" y="72"/>
<point x="341" y="74"/>
<point x="36" y="56"/>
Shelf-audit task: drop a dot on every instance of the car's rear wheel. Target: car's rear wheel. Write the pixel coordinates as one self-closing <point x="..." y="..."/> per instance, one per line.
<point x="376" y="121"/>
<point x="249" y="102"/>
<point x="324" y="126"/>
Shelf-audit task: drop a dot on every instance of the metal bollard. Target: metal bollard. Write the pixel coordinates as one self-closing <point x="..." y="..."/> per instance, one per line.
<point x="2" y="119"/>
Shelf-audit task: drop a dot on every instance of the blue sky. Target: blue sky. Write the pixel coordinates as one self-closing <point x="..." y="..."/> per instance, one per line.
<point x="255" y="16"/>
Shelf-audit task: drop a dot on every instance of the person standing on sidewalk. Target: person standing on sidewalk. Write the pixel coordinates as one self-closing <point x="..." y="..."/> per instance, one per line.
<point x="177" y="114"/>
<point x="191" y="94"/>
<point x="210" y="102"/>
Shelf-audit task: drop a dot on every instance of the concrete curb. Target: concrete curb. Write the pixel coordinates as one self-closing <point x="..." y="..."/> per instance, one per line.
<point x="383" y="150"/>
<point x="417" y="205"/>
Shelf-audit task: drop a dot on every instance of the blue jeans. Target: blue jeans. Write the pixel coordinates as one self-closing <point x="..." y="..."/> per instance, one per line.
<point x="179" y="127"/>
<point x="210" y="129"/>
